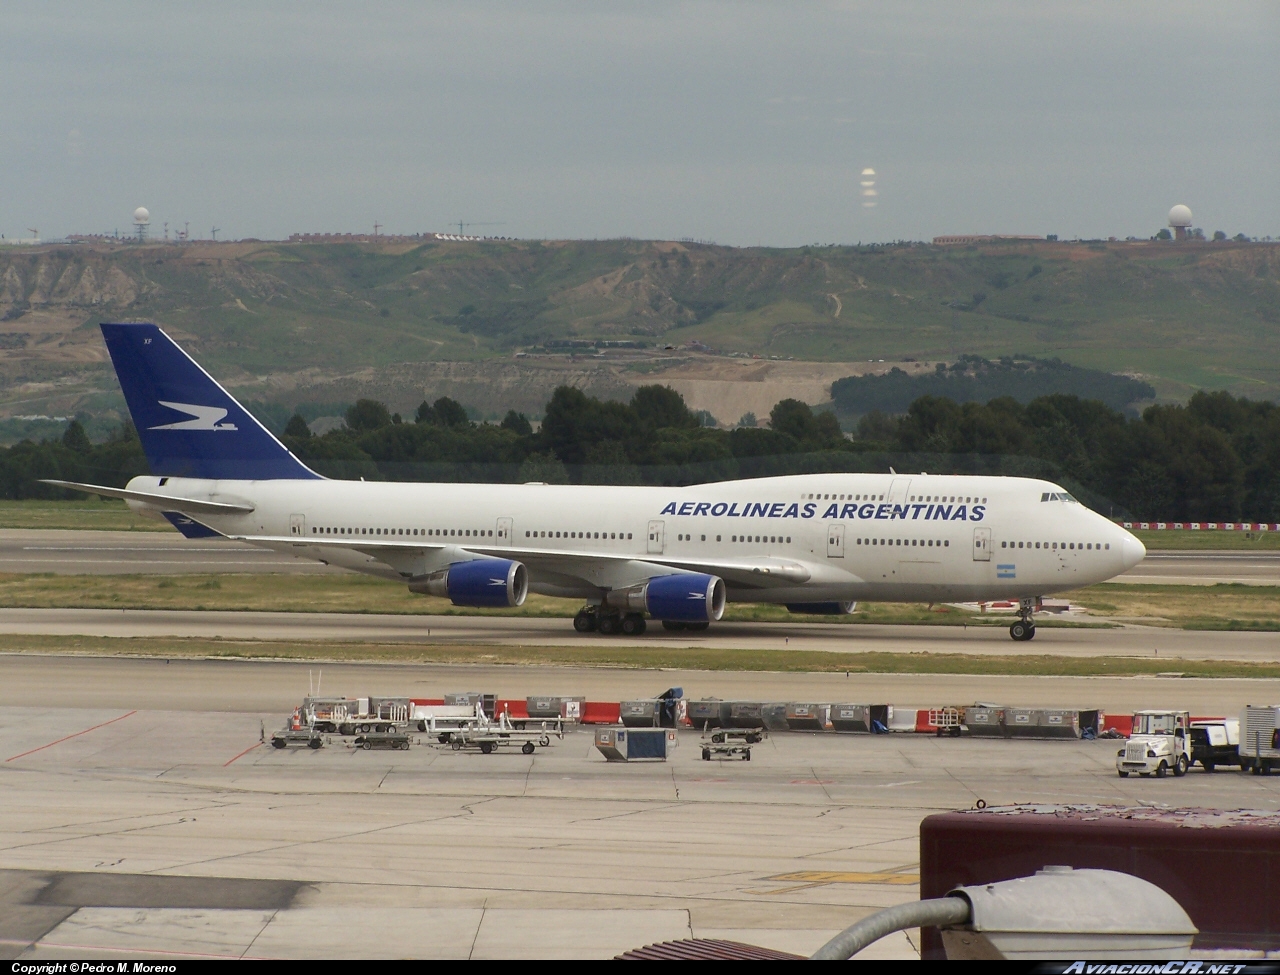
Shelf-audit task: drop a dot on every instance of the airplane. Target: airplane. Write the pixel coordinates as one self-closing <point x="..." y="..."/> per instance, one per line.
<point x="816" y="543"/>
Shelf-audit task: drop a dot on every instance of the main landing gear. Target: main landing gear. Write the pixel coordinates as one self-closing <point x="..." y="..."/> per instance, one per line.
<point x="1025" y="627"/>
<point x="591" y="619"/>
<point x="602" y="619"/>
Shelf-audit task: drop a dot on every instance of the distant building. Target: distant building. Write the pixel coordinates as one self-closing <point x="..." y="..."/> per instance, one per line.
<point x="953" y="239"/>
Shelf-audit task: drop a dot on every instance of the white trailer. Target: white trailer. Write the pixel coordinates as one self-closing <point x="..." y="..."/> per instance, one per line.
<point x="1260" y="738"/>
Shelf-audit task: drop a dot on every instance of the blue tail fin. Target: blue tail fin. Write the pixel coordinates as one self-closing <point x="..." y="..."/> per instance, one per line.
<point x="188" y="424"/>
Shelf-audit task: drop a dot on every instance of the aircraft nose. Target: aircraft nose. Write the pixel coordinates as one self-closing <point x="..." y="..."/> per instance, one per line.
<point x="1132" y="551"/>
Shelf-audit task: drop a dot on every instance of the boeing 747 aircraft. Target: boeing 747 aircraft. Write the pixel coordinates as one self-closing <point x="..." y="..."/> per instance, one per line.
<point x="816" y="543"/>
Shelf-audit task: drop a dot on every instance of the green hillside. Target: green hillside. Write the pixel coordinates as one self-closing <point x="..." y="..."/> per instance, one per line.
<point x="1181" y="316"/>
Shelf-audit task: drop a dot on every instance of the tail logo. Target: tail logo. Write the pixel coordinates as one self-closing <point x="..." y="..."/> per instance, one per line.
<point x="202" y="418"/>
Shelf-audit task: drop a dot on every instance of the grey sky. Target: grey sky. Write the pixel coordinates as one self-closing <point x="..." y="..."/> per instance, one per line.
<point x="743" y="123"/>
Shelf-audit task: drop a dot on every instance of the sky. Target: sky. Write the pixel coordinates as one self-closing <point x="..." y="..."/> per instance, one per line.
<point x="742" y="123"/>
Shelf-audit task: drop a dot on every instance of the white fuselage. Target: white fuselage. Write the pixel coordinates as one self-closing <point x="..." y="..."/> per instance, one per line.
<point x="831" y="537"/>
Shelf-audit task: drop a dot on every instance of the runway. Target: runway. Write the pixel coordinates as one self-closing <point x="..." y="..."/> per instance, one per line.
<point x="144" y="819"/>
<point x="157" y="553"/>
<point x="1138" y="641"/>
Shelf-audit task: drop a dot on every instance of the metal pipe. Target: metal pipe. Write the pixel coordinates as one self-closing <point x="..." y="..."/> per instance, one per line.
<point x="939" y="912"/>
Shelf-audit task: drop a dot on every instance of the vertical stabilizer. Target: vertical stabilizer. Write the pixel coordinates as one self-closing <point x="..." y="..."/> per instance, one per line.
<point x="188" y="424"/>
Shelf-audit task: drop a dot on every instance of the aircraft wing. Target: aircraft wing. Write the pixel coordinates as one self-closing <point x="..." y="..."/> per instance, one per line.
<point x="762" y="572"/>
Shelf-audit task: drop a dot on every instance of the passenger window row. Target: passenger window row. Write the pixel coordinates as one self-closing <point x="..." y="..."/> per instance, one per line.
<point x="1071" y="546"/>
<point x="601" y="535"/>
<point x="463" y="532"/>
<point x="772" y="539"/>
<point x="922" y="542"/>
<point x="922" y="498"/>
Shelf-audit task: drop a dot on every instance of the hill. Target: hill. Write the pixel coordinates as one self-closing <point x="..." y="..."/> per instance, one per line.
<point x="287" y="322"/>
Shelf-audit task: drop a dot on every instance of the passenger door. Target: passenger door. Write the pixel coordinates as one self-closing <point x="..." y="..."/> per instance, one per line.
<point x="835" y="541"/>
<point x="898" y="489"/>
<point x="502" y="533"/>
<point x="297" y="525"/>
<point x="656" y="543"/>
<point x="982" y="545"/>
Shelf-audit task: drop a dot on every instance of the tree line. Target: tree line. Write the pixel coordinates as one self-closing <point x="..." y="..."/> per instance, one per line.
<point x="1216" y="458"/>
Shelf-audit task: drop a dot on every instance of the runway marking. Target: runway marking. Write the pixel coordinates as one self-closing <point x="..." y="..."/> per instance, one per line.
<point x="69" y="737"/>
<point x="256" y="744"/>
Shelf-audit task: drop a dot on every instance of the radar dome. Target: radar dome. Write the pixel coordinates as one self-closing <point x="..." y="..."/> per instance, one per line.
<point x="1180" y="216"/>
<point x="143" y="215"/>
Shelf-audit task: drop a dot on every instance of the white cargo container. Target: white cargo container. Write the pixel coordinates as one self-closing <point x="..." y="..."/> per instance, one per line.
<point x="1260" y="738"/>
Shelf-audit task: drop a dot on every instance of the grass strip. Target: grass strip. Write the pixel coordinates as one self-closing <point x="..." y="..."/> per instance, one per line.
<point x="641" y="658"/>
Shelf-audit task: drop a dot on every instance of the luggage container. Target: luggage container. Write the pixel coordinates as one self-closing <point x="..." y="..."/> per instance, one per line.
<point x="986" y="721"/>
<point x="487" y="701"/>
<point x="851" y="717"/>
<point x="1058" y="723"/>
<point x="569" y="708"/>
<point x="706" y="713"/>
<point x="640" y="714"/>
<point x="807" y="717"/>
<point x="775" y="717"/>
<point x="635" y="744"/>
<point x="745" y="714"/>
<point x="1022" y="722"/>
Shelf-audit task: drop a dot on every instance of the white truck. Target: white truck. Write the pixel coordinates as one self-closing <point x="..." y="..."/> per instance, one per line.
<point x="1158" y="743"/>
<point x="1260" y="738"/>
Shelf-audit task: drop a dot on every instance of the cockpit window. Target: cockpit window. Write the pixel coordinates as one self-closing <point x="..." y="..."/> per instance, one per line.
<point x="1057" y="496"/>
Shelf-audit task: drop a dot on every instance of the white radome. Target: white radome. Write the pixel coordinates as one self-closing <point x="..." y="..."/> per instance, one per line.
<point x="1180" y="216"/>
<point x="143" y="215"/>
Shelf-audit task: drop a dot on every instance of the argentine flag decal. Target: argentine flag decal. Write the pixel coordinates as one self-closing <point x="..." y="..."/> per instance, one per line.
<point x="1006" y="572"/>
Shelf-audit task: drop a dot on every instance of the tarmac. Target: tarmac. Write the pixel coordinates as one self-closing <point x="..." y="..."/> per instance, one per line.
<point x="141" y="816"/>
<point x="111" y="553"/>
<point x="426" y="631"/>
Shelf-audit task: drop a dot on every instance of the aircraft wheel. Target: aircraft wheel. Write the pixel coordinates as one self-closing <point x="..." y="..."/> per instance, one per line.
<point x="633" y="624"/>
<point x="1019" y="630"/>
<point x="585" y="622"/>
<point x="527" y="748"/>
<point x="697" y="626"/>
<point x="609" y="625"/>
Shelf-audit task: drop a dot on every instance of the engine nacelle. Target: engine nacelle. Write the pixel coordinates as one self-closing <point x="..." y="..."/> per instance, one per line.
<point x="687" y="596"/>
<point x="480" y="582"/>
<point x="843" y="608"/>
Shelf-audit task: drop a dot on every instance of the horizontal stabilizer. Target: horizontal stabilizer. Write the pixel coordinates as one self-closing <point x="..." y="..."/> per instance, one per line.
<point x="162" y="501"/>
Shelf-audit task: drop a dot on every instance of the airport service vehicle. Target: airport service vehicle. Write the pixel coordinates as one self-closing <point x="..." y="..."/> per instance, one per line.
<point x="355" y="716"/>
<point x="815" y="543"/>
<point x="488" y="735"/>
<point x="1215" y="743"/>
<point x="1260" y="738"/>
<point x="1158" y="743"/>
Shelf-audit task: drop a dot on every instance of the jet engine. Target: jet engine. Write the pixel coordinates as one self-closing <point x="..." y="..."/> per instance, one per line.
<point x="686" y="596"/>
<point x="479" y="582"/>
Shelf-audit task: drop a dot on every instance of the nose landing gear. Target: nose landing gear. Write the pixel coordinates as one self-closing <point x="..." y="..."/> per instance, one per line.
<point x="1025" y="627"/>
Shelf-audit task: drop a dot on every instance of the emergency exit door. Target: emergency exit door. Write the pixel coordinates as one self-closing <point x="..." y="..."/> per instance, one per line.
<point x="297" y="524"/>
<point x="835" y="541"/>
<point x="982" y="545"/>
<point x="502" y="533"/>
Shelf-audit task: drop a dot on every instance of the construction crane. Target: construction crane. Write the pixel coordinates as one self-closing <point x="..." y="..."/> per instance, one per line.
<point x="475" y="223"/>
<point x="214" y="232"/>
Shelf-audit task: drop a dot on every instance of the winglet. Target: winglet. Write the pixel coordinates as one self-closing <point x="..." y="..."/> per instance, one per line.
<point x="188" y="424"/>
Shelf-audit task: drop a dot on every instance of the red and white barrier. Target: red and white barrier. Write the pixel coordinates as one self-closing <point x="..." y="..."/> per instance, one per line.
<point x="1224" y="526"/>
